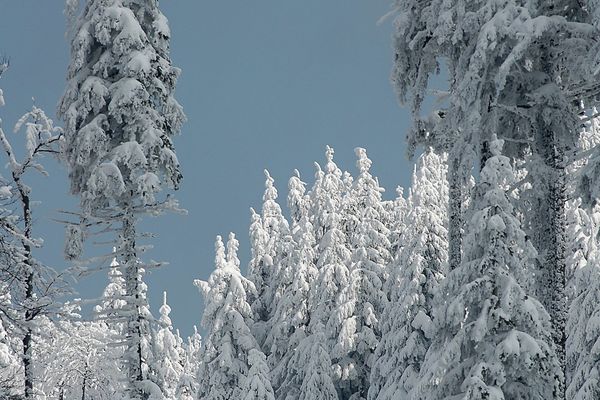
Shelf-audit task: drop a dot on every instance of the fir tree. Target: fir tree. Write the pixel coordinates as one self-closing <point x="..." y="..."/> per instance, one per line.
<point x="120" y="117"/>
<point x="494" y="339"/>
<point x="228" y="318"/>
<point x="292" y="315"/>
<point x="355" y="321"/>
<point x="167" y="363"/>
<point x="420" y="266"/>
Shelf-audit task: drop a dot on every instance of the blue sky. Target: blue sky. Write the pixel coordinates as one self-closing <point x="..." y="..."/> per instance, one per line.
<point x="265" y="84"/>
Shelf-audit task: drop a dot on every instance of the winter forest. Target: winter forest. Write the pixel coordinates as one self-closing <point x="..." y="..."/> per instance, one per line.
<point x="480" y="281"/>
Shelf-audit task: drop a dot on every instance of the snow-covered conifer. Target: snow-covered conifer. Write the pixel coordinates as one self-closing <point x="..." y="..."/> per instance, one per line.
<point x="188" y="381"/>
<point x="355" y="320"/>
<point x="317" y="382"/>
<point x="292" y="314"/>
<point x="120" y="116"/>
<point x="267" y="273"/>
<point x="419" y="267"/>
<point x="11" y="382"/>
<point x="333" y="255"/>
<point x="167" y="363"/>
<point x="493" y="339"/>
<point x="228" y="318"/>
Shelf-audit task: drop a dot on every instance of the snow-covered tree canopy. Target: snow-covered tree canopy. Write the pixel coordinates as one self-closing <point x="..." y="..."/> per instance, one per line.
<point x="119" y="111"/>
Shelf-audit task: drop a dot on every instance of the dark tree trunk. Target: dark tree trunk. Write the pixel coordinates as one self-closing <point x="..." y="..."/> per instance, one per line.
<point x="455" y="212"/>
<point x="132" y="287"/>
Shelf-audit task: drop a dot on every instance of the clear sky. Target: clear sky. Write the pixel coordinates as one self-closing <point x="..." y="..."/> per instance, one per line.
<point x="265" y="84"/>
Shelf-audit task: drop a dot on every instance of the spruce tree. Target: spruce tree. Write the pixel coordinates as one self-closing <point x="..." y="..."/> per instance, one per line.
<point x="419" y="267"/>
<point x="120" y="117"/>
<point x="225" y="370"/>
<point x="355" y="322"/>
<point x="293" y="313"/>
<point x="166" y="350"/>
<point x="494" y="339"/>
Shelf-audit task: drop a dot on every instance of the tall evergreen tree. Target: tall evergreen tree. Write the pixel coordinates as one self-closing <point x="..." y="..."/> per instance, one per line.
<point x="419" y="267"/>
<point x="167" y="363"/>
<point x="293" y="313"/>
<point x="227" y="358"/>
<point x="355" y="322"/>
<point x="494" y="339"/>
<point x="269" y="277"/>
<point x="120" y="116"/>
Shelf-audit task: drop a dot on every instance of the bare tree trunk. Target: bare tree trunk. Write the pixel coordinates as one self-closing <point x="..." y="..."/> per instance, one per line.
<point x="132" y="287"/>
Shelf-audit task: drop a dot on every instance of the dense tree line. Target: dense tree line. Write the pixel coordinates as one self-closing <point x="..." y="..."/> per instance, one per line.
<point x="481" y="283"/>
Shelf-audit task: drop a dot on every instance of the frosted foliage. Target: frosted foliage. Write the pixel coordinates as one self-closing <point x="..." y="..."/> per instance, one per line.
<point x="119" y="111"/>
<point x="227" y="360"/>
<point x="292" y="313"/>
<point x="493" y="338"/>
<point x="192" y="358"/>
<point x="317" y="382"/>
<point x="10" y="364"/>
<point x="583" y="342"/>
<point x="421" y="264"/>
<point x="354" y="323"/>
<point x="79" y="357"/>
<point x="268" y="267"/>
<point x="297" y="200"/>
<point x="168" y="365"/>
<point x="257" y="385"/>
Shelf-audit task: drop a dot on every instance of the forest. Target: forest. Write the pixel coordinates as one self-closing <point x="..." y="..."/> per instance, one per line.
<point x="480" y="281"/>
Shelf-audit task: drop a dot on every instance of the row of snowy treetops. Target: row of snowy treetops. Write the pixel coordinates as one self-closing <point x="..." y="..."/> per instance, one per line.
<point x="482" y="283"/>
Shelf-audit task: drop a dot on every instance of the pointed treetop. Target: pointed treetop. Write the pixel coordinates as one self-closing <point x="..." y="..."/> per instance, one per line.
<point x="363" y="163"/>
<point x="219" y="253"/>
<point x="254" y="216"/>
<point x="270" y="190"/>
<point x="295" y="181"/>
<point x="330" y="166"/>
<point x="165" y="310"/>
<point x="232" y="248"/>
<point x="329" y="153"/>
<point x="114" y="262"/>
<point x="399" y="191"/>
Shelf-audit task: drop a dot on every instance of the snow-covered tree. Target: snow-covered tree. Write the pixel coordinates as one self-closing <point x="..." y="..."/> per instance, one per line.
<point x="268" y="261"/>
<point x="120" y="116"/>
<point x="418" y="269"/>
<point x="167" y="365"/>
<point x="33" y="286"/>
<point x="78" y="362"/>
<point x="355" y="322"/>
<point x="188" y="382"/>
<point x="583" y="341"/>
<point x="583" y="274"/>
<point x="317" y="382"/>
<point x="292" y="314"/>
<point x="494" y="339"/>
<point x="11" y="381"/>
<point x="227" y="359"/>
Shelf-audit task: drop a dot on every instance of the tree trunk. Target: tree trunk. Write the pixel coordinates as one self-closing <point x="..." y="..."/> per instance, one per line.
<point x="84" y="384"/>
<point x="132" y="287"/>
<point x="549" y="228"/>
<point x="455" y="212"/>
<point x="30" y="312"/>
